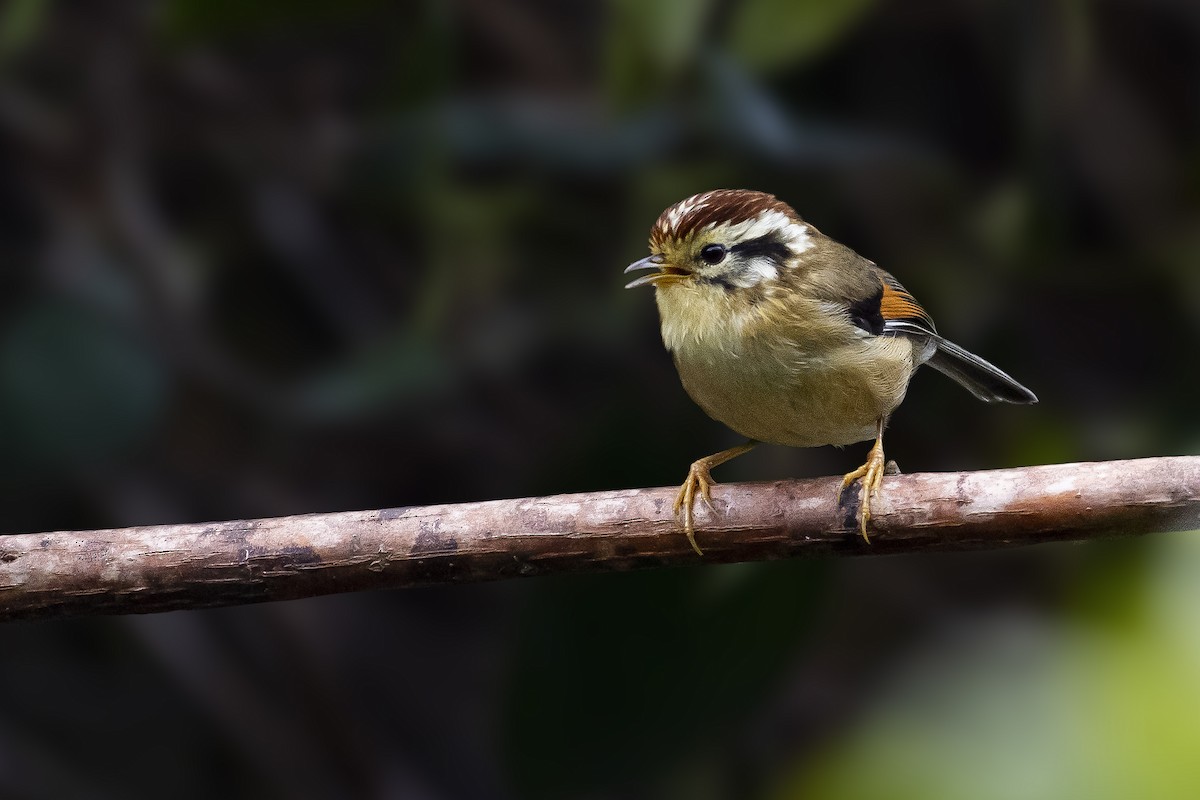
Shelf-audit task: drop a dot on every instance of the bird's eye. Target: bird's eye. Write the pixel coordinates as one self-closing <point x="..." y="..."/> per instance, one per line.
<point x="713" y="253"/>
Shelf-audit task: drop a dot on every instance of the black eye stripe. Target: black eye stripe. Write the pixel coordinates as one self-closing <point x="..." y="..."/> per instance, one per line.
<point x="767" y="246"/>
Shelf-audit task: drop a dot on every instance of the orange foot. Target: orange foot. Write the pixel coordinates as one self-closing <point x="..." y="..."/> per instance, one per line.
<point x="699" y="479"/>
<point x="872" y="478"/>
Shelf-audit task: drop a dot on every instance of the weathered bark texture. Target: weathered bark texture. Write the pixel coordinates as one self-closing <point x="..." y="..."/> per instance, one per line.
<point x="167" y="567"/>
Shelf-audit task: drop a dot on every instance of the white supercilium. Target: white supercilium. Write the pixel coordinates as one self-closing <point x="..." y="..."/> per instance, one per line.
<point x="791" y="233"/>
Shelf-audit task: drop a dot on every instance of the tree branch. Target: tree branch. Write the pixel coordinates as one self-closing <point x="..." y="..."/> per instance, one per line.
<point x="160" y="568"/>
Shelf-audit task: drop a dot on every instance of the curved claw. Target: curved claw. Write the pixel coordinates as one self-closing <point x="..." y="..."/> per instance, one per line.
<point x="699" y="478"/>
<point x="685" y="501"/>
<point x="871" y="474"/>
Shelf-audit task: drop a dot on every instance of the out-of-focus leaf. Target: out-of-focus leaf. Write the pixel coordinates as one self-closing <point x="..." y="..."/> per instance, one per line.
<point x="1003" y="220"/>
<point x="650" y="43"/>
<point x="20" y="21"/>
<point x="74" y="388"/>
<point x="771" y="34"/>
<point x="1108" y="709"/>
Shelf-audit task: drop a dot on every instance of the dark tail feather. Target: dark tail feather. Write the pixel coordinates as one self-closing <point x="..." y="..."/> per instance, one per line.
<point x="986" y="381"/>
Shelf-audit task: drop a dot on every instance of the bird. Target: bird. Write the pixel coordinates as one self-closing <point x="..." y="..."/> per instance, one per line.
<point x="789" y="337"/>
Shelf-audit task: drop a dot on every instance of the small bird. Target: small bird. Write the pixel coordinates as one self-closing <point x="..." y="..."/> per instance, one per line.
<point x="789" y="337"/>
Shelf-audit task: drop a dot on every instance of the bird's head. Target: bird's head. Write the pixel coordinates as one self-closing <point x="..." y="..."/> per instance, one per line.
<point x="729" y="238"/>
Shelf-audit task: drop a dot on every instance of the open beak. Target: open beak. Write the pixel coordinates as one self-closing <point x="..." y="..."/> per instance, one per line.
<point x="665" y="273"/>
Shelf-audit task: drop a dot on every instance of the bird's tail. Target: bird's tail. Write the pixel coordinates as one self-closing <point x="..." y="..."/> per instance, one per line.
<point x="984" y="380"/>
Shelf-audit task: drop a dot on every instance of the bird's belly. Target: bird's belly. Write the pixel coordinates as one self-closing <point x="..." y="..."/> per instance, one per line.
<point x="787" y="397"/>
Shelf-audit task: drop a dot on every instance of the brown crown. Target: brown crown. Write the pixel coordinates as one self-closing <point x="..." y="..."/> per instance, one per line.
<point x="718" y="207"/>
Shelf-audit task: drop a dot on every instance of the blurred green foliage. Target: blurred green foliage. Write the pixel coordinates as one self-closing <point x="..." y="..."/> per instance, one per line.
<point x="275" y="258"/>
<point x="770" y="35"/>
<point x="19" y="24"/>
<point x="1104" y="706"/>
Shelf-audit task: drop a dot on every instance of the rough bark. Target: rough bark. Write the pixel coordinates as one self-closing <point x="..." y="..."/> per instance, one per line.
<point x="160" y="568"/>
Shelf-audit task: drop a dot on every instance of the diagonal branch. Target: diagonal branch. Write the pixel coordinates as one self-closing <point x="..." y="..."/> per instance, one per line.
<point x="160" y="568"/>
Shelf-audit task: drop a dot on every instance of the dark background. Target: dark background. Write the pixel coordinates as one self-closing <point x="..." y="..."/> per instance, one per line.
<point x="281" y="257"/>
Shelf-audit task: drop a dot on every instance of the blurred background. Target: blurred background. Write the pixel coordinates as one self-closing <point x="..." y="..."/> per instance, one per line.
<point x="282" y="257"/>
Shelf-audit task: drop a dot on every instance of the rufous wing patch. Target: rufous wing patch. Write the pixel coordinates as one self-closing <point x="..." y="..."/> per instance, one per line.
<point x="898" y="304"/>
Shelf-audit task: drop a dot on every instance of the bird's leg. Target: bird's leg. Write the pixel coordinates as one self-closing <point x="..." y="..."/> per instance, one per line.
<point x="698" y="478"/>
<point x="872" y="478"/>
